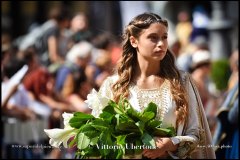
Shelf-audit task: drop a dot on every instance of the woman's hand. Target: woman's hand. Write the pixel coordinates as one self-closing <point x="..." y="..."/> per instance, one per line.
<point x="163" y="145"/>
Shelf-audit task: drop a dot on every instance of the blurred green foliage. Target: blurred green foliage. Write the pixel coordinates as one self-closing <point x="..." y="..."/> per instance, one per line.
<point x="220" y="73"/>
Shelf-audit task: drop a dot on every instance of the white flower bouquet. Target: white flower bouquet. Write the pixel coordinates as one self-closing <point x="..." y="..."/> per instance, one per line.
<point x="113" y="131"/>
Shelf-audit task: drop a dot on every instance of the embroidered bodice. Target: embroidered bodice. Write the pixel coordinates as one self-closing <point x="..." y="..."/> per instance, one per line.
<point x="161" y="96"/>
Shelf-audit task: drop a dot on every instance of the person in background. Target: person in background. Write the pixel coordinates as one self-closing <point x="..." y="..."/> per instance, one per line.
<point x="79" y="28"/>
<point x="201" y="68"/>
<point x="184" y="29"/>
<point x="78" y="58"/>
<point x="17" y="115"/>
<point x="226" y="136"/>
<point x="71" y="82"/>
<point x="18" y="103"/>
<point x="200" y="71"/>
<point x="234" y="63"/>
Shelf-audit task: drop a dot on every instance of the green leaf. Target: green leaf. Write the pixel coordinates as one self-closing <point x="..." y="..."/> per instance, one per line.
<point x="120" y="153"/>
<point x="121" y="140"/>
<point x="164" y="132"/>
<point x="105" y="140"/>
<point x="132" y="137"/>
<point x="141" y="126"/>
<point x="153" y="123"/>
<point x="89" y="130"/>
<point x="127" y="127"/>
<point x="100" y="125"/>
<point x="151" y="107"/>
<point x="76" y="122"/>
<point x="172" y="131"/>
<point x="138" y="142"/>
<point x="83" y="141"/>
<point x="118" y="110"/>
<point x="91" y="152"/>
<point x="146" y="116"/>
<point x="83" y="116"/>
<point x="117" y="118"/>
<point x="113" y="108"/>
<point x="133" y="114"/>
<point x="80" y="154"/>
<point x="79" y="119"/>
<point x="110" y="108"/>
<point x="148" y="140"/>
<point x="124" y="118"/>
<point x="121" y="101"/>
<point x="106" y="116"/>
<point x="94" y="140"/>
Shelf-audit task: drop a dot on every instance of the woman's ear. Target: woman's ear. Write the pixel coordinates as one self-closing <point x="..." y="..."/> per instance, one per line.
<point x="133" y="41"/>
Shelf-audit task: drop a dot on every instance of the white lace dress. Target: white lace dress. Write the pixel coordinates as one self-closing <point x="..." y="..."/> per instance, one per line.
<point x="190" y="134"/>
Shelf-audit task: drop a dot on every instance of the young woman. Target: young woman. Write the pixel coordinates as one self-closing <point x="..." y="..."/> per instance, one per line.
<point x="147" y="72"/>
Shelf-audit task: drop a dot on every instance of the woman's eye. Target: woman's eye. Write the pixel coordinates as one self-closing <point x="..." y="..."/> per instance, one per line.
<point x="154" y="38"/>
<point x="165" y="37"/>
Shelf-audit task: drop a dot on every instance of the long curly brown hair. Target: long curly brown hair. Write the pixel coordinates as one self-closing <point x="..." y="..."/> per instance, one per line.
<point x="168" y="69"/>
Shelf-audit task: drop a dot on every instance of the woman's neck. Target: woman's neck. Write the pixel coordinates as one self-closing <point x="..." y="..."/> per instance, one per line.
<point x="146" y="75"/>
<point x="146" y="69"/>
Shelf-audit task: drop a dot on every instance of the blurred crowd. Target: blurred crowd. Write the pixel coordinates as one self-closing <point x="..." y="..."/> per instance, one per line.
<point x="66" y="61"/>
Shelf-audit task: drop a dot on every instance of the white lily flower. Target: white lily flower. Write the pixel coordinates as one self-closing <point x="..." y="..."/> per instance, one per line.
<point x="66" y="118"/>
<point x="58" y="136"/>
<point x="96" y="102"/>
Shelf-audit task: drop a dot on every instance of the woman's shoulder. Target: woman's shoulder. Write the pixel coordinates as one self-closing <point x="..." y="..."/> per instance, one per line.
<point x="111" y="79"/>
<point x="184" y="75"/>
<point x="106" y="87"/>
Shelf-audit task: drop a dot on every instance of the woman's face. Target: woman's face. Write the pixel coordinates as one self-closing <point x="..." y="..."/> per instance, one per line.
<point x="152" y="43"/>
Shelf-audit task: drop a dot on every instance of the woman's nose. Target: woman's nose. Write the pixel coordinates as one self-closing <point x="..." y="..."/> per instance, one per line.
<point x="160" y="43"/>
